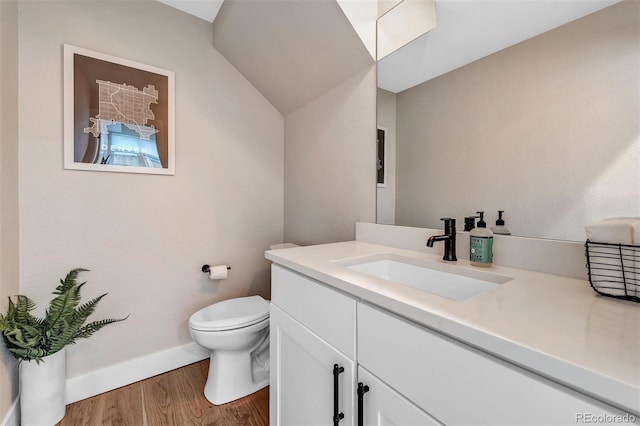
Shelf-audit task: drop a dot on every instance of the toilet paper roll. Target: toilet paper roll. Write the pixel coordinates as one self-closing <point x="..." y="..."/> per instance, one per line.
<point x="218" y="272"/>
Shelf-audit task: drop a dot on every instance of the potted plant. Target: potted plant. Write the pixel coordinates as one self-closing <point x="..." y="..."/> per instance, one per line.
<point x="41" y="342"/>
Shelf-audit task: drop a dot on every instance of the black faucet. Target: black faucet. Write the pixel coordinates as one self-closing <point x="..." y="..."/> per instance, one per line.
<point x="449" y="239"/>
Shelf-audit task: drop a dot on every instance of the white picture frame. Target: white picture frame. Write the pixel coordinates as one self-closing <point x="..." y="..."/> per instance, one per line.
<point x="119" y="115"/>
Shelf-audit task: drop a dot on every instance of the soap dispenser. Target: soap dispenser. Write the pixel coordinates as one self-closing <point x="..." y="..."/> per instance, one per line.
<point x="469" y="223"/>
<point x="500" y="229"/>
<point x="481" y="244"/>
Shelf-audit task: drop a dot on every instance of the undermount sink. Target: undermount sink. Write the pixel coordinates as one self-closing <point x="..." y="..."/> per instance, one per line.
<point x="447" y="280"/>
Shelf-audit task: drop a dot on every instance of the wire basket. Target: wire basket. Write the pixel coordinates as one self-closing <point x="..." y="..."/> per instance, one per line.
<point x="614" y="269"/>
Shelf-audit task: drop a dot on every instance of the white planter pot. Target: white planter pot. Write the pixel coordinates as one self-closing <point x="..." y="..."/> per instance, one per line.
<point x="42" y="390"/>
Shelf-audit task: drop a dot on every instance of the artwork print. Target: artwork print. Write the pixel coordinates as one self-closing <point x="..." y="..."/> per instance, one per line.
<point x="118" y="114"/>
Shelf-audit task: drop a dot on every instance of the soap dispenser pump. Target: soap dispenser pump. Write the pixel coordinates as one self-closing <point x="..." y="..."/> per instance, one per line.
<point x="469" y="223"/>
<point x="500" y="228"/>
<point x="481" y="244"/>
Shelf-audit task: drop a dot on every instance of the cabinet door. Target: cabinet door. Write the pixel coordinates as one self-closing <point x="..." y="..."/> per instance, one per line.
<point x="460" y="385"/>
<point x="326" y="312"/>
<point x="382" y="406"/>
<point x="302" y="380"/>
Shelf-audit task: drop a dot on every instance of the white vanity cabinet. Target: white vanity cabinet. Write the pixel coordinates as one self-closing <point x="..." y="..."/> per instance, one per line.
<point x="312" y="333"/>
<point x="413" y="375"/>
<point x="460" y="385"/>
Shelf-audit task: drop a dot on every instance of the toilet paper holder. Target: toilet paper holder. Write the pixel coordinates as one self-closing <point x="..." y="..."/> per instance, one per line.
<point x="207" y="268"/>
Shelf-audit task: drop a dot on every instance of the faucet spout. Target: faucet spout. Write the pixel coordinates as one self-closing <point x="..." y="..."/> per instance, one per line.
<point x="436" y="238"/>
<point x="449" y="239"/>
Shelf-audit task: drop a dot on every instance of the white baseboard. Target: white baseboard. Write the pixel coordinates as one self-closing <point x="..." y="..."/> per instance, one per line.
<point x="12" y="418"/>
<point x="125" y="373"/>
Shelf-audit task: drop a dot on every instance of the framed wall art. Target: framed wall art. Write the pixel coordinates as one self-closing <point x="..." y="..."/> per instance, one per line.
<point x="118" y="114"/>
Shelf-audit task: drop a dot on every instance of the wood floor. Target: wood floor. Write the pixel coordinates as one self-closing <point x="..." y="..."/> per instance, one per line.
<point x="173" y="398"/>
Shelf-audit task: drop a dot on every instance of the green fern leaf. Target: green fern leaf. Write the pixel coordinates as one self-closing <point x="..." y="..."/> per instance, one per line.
<point x="17" y="338"/>
<point x="69" y="281"/>
<point x="23" y="307"/>
<point x="32" y="335"/>
<point x="62" y="306"/>
<point x="94" y="326"/>
<point x="14" y="337"/>
<point x="28" y="354"/>
<point x="28" y="337"/>
<point x="63" y="338"/>
<point x="82" y="312"/>
<point x="11" y="311"/>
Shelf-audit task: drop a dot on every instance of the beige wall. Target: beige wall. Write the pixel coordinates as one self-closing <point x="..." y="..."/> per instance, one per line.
<point x="330" y="163"/>
<point x="386" y="195"/>
<point x="546" y="130"/>
<point x="8" y="187"/>
<point x="145" y="237"/>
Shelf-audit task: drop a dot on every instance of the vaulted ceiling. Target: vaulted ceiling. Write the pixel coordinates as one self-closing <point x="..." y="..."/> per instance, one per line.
<point x="294" y="50"/>
<point x="470" y="30"/>
<point x="291" y="51"/>
<point x="203" y="9"/>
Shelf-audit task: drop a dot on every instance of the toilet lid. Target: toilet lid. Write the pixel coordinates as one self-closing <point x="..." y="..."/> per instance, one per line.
<point x="230" y="314"/>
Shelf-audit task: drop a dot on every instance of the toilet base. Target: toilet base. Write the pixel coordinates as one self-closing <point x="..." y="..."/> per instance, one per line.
<point x="233" y="375"/>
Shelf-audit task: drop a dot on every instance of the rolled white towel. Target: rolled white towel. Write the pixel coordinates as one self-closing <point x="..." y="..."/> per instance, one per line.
<point x="619" y="230"/>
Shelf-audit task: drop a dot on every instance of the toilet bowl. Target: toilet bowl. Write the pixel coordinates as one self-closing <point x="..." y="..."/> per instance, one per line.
<point x="237" y="333"/>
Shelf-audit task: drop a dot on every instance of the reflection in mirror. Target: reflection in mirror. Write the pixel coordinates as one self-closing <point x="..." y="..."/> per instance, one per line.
<point x="402" y="23"/>
<point x="546" y="129"/>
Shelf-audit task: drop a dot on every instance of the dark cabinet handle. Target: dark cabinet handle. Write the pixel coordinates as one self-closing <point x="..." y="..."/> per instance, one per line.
<point x="336" y="393"/>
<point x="362" y="389"/>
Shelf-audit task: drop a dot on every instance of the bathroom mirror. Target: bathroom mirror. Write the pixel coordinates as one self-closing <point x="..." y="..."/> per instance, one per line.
<point x="528" y="107"/>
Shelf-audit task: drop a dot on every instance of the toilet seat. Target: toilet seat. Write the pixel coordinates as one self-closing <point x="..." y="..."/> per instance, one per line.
<point x="230" y="314"/>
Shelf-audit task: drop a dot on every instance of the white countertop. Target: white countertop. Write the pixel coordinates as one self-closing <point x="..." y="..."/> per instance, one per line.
<point x="555" y="326"/>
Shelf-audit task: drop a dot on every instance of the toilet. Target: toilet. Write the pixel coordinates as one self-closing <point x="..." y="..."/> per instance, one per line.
<point x="236" y="331"/>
